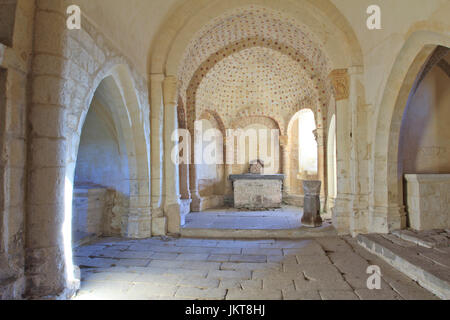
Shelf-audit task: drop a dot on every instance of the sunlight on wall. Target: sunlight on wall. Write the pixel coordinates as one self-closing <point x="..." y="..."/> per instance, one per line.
<point x="307" y="151"/>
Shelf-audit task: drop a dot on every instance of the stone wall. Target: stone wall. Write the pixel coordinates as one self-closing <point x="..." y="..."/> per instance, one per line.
<point x="257" y="194"/>
<point x="68" y="66"/>
<point x="16" y="29"/>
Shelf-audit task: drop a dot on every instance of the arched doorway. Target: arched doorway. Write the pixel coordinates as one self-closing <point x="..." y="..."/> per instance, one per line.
<point x="424" y="146"/>
<point x="387" y="210"/>
<point x="102" y="173"/>
<point x="303" y="153"/>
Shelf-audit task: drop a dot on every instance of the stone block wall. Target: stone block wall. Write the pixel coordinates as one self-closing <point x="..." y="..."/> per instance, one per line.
<point x="428" y="201"/>
<point x="15" y="58"/>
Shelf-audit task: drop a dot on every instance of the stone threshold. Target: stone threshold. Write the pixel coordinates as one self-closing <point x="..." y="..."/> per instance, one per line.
<point x="326" y="230"/>
<point x="427" y="266"/>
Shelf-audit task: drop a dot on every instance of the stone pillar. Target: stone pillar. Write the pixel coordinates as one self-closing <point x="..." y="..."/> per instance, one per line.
<point x="196" y="204"/>
<point x="311" y="208"/>
<point x="159" y="223"/>
<point x="358" y="152"/>
<point x="342" y="208"/>
<point x="171" y="173"/>
<point x="47" y="270"/>
<point x="319" y="136"/>
<point x="285" y="164"/>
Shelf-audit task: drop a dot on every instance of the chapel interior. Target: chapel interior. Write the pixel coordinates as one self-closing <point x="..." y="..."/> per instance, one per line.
<point x="224" y="149"/>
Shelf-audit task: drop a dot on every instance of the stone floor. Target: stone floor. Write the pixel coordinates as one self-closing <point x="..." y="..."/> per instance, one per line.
<point x="323" y="268"/>
<point x="287" y="217"/>
<point x="424" y="256"/>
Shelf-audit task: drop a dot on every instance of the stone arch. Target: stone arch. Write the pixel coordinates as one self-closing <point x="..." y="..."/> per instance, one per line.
<point x="175" y="34"/>
<point x="130" y="119"/>
<point x="292" y="161"/>
<point x="322" y="86"/>
<point x="386" y="203"/>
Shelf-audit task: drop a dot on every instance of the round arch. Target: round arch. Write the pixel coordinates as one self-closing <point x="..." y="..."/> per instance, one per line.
<point x="322" y="17"/>
<point x="386" y="203"/>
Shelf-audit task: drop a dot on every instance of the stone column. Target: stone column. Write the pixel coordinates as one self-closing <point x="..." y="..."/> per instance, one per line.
<point x="342" y="208"/>
<point x="159" y="223"/>
<point x="171" y="173"/>
<point x="47" y="270"/>
<point x="196" y="204"/>
<point x="319" y="136"/>
<point x="285" y="164"/>
<point x="311" y="208"/>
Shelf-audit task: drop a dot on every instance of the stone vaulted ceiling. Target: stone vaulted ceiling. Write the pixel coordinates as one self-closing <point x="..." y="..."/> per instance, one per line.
<point x="261" y="78"/>
<point x="254" y="57"/>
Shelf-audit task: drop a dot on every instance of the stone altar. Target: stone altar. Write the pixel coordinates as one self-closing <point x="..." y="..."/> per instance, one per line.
<point x="311" y="207"/>
<point x="257" y="191"/>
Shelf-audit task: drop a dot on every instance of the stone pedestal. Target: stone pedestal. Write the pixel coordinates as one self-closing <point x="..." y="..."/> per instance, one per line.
<point x="311" y="208"/>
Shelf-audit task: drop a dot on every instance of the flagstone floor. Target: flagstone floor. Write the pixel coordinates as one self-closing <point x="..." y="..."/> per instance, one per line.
<point x="198" y="269"/>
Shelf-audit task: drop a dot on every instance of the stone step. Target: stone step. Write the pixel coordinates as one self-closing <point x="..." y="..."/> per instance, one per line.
<point x="427" y="239"/>
<point x="326" y="230"/>
<point x="428" y="266"/>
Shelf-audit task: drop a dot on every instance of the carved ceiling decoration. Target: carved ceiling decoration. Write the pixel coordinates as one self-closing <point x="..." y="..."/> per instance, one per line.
<point x="258" y="77"/>
<point x="254" y="59"/>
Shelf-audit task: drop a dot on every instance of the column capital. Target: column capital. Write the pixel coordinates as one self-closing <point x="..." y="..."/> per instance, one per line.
<point x="170" y="90"/>
<point x="341" y="83"/>
<point x="284" y="141"/>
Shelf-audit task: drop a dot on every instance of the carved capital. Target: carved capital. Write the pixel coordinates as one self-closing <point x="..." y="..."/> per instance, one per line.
<point x="340" y="80"/>
<point x="284" y="141"/>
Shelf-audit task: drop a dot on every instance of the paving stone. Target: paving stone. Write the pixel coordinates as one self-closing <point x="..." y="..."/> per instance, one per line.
<point x="253" y="294"/>
<point x="247" y="258"/>
<point x="192" y="256"/>
<point x="158" y="279"/>
<point x="320" y="259"/>
<point x="109" y="276"/>
<point x="334" y="244"/>
<point x="383" y="294"/>
<point x="203" y="294"/>
<point x="261" y="251"/>
<point x="133" y="262"/>
<point x="187" y="272"/>
<point x="202" y="283"/>
<point x="146" y="291"/>
<point x="199" y="269"/>
<point x="94" y="290"/>
<point x="200" y="265"/>
<point x="412" y="291"/>
<point x="277" y="283"/>
<point x="306" y="285"/>
<point x="338" y="295"/>
<point x="156" y="263"/>
<point x="250" y="266"/>
<point x="301" y="295"/>
<point x="322" y="272"/>
<point x="230" y="274"/>
<point x="219" y="257"/>
<point x="227" y="251"/>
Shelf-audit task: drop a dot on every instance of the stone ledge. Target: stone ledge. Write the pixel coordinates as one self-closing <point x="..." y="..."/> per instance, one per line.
<point x="427" y="177"/>
<point x="249" y="176"/>
<point x="327" y="230"/>
<point x="433" y="277"/>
